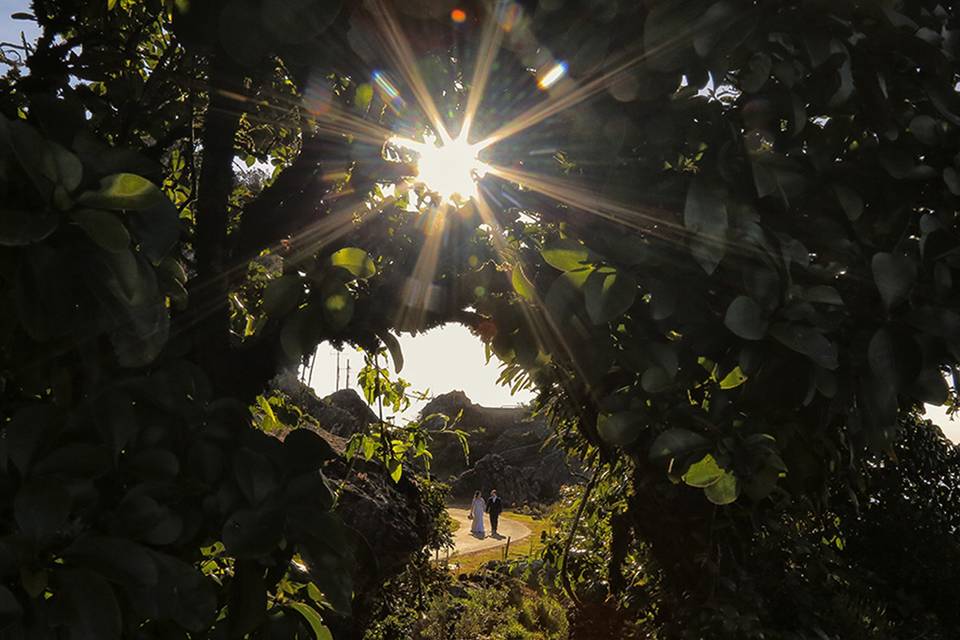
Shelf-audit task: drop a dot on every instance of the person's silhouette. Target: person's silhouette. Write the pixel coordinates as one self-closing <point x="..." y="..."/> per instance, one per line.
<point x="494" y="507"/>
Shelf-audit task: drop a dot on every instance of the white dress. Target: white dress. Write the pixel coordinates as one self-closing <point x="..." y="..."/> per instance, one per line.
<point x="477" y="508"/>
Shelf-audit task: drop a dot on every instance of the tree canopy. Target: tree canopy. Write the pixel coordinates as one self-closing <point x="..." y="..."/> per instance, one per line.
<point x="722" y="247"/>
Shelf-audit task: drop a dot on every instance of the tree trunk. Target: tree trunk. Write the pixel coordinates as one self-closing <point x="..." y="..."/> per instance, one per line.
<point x="209" y="318"/>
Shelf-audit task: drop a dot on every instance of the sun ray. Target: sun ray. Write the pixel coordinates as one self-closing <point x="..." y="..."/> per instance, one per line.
<point x="488" y="49"/>
<point x="543" y="325"/>
<point x="650" y="221"/>
<point x="589" y="89"/>
<point x="420" y="293"/>
<point x="403" y="56"/>
<point x="561" y="190"/>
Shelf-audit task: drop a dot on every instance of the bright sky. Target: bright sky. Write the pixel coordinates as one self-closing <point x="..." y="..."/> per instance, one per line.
<point x="451" y="358"/>
<point x="9" y="28"/>
<point x="444" y="359"/>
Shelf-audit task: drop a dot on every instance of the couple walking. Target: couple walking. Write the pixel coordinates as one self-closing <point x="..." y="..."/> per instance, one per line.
<point x="492" y="506"/>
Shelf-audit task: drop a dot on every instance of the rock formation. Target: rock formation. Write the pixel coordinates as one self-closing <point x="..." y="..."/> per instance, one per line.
<point x="508" y="452"/>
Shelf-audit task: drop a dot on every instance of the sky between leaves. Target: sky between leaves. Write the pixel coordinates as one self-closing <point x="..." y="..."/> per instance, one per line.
<point x="444" y="359"/>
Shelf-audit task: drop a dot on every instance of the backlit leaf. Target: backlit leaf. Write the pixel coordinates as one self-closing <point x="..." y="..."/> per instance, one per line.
<point x="724" y="491"/>
<point x="566" y="254"/>
<point x="124" y="191"/>
<point x="703" y="473"/>
<point x="354" y="260"/>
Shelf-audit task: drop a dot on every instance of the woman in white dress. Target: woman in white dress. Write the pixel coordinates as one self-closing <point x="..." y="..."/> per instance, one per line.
<point x="477" y="509"/>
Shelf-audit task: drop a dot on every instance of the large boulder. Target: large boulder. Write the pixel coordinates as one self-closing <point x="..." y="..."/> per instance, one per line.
<point x="508" y="448"/>
<point x="513" y="484"/>
<point x="509" y="432"/>
<point x="342" y="412"/>
<point x="358" y="412"/>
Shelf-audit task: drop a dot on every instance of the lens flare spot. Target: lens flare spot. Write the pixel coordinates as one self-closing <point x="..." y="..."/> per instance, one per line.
<point x="458" y="15"/>
<point x="552" y="75"/>
<point x="387" y="90"/>
<point x="508" y="15"/>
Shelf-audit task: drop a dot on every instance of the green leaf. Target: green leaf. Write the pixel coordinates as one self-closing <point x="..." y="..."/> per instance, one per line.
<point x="609" y="294"/>
<point x="156" y="228"/>
<point x="393" y="346"/>
<point x="118" y="559"/>
<point x="93" y="610"/>
<point x="931" y="387"/>
<point x="667" y="33"/>
<point x="746" y="319"/>
<point x="18" y="228"/>
<point x="808" y="341"/>
<point x="247" y="606"/>
<point x="894" y="276"/>
<point x="522" y="285"/>
<point x="270" y="422"/>
<point x="952" y="179"/>
<point x="320" y="631"/>
<point x="705" y="216"/>
<point x="925" y="129"/>
<point x="363" y="96"/>
<point x="395" y="468"/>
<point x="850" y="200"/>
<point x="566" y="254"/>
<point x="619" y="429"/>
<point x="282" y="295"/>
<point x="674" y="442"/>
<point x="69" y="167"/>
<point x="757" y="72"/>
<point x="703" y="473"/>
<point x="338" y="305"/>
<point x="252" y="533"/>
<point x="655" y="380"/>
<point x="724" y="491"/>
<point x="354" y="260"/>
<point x="104" y="228"/>
<point x="823" y="294"/>
<point x="124" y="191"/>
<point x="41" y="509"/>
<point x="733" y="379"/>
<point x="254" y="474"/>
<point x="10" y="608"/>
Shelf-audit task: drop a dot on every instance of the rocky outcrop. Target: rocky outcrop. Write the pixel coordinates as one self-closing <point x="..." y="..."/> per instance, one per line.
<point x="508" y="452"/>
<point x="388" y="521"/>
<point x="342" y="412"/>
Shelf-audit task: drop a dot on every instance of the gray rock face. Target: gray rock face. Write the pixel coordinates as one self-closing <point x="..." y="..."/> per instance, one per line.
<point x="342" y="412"/>
<point x="360" y="414"/>
<point x="508" y="452"/>
<point x="388" y="521"/>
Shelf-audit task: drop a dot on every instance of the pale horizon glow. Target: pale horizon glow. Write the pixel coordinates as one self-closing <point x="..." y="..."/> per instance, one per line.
<point x="444" y="359"/>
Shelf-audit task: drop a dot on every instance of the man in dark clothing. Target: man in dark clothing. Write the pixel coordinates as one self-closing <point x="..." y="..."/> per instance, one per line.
<point x="494" y="507"/>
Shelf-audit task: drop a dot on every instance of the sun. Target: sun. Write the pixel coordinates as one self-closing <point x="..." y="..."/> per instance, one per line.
<point x="450" y="169"/>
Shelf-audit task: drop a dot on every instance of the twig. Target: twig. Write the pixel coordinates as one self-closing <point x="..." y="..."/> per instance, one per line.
<point x="564" y="575"/>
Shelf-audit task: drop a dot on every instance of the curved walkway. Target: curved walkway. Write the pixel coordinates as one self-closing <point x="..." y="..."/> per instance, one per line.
<point x="465" y="542"/>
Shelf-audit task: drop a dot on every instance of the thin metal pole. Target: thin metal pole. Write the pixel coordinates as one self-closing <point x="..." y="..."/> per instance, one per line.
<point x="338" y="371"/>
<point x="313" y="361"/>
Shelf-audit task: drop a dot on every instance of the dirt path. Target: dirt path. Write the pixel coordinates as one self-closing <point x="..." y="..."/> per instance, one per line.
<point x="466" y="542"/>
